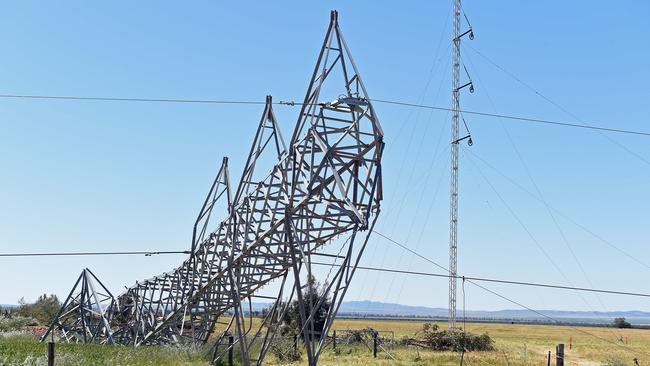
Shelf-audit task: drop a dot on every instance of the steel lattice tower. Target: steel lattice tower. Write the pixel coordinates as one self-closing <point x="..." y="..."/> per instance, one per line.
<point x="453" y="223"/>
<point x="323" y="189"/>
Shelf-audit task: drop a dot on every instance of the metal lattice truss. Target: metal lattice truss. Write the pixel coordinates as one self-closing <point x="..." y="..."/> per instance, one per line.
<point x="324" y="188"/>
<point x="85" y="315"/>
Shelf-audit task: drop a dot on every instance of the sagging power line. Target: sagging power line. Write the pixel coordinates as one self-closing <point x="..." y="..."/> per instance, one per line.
<point x="519" y="118"/>
<point x="120" y="99"/>
<point x="68" y="254"/>
<point x="494" y="280"/>
<point x="292" y="103"/>
<point x="508" y="299"/>
<point x="365" y="268"/>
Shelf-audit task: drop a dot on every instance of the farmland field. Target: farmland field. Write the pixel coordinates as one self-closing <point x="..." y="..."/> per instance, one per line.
<point x="516" y="344"/>
<point x="523" y="344"/>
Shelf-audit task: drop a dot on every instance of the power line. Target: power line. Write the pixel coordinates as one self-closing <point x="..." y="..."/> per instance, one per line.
<point x="552" y="319"/>
<point x="118" y="99"/>
<point x="543" y="200"/>
<point x="555" y="104"/>
<point x="518" y="118"/>
<point x="523" y="189"/>
<point x="472" y="281"/>
<point x="411" y="251"/>
<point x="292" y="103"/>
<point x="63" y="254"/>
<point x="492" y="280"/>
<point x="368" y="268"/>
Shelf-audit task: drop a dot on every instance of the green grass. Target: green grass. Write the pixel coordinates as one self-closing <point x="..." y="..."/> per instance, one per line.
<point x="23" y="349"/>
<point x="520" y="344"/>
<point x="16" y="322"/>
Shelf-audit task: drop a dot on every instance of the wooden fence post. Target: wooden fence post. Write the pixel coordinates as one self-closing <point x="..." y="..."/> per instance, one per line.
<point x="231" y="353"/>
<point x="559" y="355"/>
<point x="50" y="353"/>
<point x="334" y="339"/>
<point x="548" y="363"/>
<point x="374" y="344"/>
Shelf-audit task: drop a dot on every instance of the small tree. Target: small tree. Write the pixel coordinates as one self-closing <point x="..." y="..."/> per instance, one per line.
<point x="44" y="309"/>
<point x="292" y="321"/>
<point x="621" y="323"/>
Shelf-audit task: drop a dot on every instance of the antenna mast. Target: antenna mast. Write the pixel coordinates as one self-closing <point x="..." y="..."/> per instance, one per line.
<point x="455" y="140"/>
<point x="453" y="223"/>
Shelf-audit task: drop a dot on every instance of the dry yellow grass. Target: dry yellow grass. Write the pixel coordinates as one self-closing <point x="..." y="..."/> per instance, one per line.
<point x="521" y="344"/>
<point x="516" y="345"/>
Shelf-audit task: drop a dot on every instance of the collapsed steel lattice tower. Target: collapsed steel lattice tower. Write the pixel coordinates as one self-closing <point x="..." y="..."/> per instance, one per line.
<point x="325" y="187"/>
<point x="85" y="315"/>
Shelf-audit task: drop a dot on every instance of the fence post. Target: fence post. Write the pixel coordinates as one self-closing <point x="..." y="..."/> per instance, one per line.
<point x="559" y="355"/>
<point x="334" y="339"/>
<point x="50" y="353"/>
<point x="231" y="353"/>
<point x="548" y="363"/>
<point x="374" y="344"/>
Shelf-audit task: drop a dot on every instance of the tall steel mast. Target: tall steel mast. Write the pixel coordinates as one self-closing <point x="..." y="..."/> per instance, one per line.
<point x="455" y="140"/>
<point x="453" y="223"/>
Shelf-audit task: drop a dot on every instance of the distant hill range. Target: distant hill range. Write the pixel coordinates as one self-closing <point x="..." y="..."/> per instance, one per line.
<point x="376" y="309"/>
<point x="382" y="309"/>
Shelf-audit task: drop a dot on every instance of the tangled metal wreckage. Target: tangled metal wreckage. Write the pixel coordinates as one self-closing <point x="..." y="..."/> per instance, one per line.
<point x="325" y="188"/>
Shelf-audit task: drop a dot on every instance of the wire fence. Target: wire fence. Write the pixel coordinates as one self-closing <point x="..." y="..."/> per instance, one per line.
<point x="389" y="344"/>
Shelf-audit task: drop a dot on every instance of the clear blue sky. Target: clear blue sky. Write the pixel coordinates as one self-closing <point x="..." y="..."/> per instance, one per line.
<point x="94" y="176"/>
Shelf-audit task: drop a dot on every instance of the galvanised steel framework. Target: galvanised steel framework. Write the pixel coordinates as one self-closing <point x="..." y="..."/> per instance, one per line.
<point x="325" y="187"/>
<point x="453" y="210"/>
<point x="85" y="315"/>
<point x="455" y="140"/>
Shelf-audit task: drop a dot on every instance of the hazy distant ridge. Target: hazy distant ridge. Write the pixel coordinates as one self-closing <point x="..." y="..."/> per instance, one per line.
<point x="376" y="308"/>
<point x="388" y="309"/>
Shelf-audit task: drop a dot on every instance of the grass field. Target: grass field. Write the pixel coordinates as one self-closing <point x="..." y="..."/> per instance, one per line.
<point x="524" y="344"/>
<point x="516" y="344"/>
